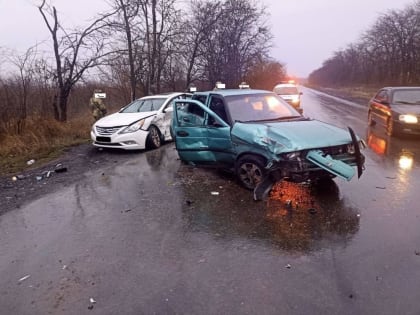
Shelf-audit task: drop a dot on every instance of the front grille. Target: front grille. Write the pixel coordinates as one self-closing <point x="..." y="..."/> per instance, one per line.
<point x="107" y="131"/>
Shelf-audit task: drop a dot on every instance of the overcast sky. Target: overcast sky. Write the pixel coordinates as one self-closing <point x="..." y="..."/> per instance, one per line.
<point x="306" y="32"/>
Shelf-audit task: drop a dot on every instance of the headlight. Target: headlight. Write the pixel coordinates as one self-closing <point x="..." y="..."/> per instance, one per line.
<point x="408" y="119"/>
<point x="133" y="127"/>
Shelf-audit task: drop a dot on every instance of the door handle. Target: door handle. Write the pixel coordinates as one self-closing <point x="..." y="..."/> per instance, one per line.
<point x="182" y="133"/>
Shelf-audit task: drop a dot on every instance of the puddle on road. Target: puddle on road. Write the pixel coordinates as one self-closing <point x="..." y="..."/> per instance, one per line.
<point x="296" y="217"/>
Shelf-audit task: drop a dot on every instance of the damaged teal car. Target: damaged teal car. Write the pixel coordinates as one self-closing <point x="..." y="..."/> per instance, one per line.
<point x="262" y="139"/>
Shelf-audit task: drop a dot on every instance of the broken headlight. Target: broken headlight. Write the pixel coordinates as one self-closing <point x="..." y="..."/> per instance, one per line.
<point x="291" y="155"/>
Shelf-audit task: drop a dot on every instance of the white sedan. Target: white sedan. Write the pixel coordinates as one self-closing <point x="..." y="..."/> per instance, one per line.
<point x="144" y="123"/>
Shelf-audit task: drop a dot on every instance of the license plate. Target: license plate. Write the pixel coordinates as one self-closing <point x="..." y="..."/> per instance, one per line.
<point x="103" y="139"/>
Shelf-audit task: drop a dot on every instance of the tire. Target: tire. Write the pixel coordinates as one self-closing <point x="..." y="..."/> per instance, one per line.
<point x="154" y="139"/>
<point x="250" y="170"/>
<point x="390" y="127"/>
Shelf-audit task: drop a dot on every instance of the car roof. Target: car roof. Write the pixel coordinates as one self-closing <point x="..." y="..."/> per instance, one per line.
<point x="163" y="95"/>
<point x="230" y="92"/>
<point x="401" y="88"/>
<point x="285" y="85"/>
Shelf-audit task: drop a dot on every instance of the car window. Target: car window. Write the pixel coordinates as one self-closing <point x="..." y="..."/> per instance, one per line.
<point x="218" y="107"/>
<point x="409" y="97"/>
<point x="144" y="105"/>
<point x="251" y="107"/>
<point x="199" y="97"/>
<point x="189" y="114"/>
<point x="286" y="90"/>
<point x="382" y="96"/>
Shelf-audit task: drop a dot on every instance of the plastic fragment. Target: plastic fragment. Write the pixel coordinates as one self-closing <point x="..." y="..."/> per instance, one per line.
<point x="61" y="170"/>
<point x="91" y="300"/>
<point x="288" y="266"/>
<point x="24" y="278"/>
<point x="215" y="193"/>
<point x="30" y="162"/>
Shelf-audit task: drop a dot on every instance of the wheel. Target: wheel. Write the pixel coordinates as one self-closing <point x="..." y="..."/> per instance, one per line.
<point x="250" y="170"/>
<point x="390" y="127"/>
<point x="153" y="138"/>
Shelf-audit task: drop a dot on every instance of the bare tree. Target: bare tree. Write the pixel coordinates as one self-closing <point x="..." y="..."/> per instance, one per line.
<point x="238" y="40"/>
<point x="74" y="53"/>
<point x="25" y="64"/>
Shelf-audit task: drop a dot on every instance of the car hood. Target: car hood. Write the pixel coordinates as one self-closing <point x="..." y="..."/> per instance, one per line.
<point x="283" y="137"/>
<point x="406" y="109"/>
<point x="123" y="119"/>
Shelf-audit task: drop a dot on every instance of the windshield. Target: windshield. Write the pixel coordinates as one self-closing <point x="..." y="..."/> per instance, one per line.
<point x="411" y="97"/>
<point x="258" y="107"/>
<point x="286" y="90"/>
<point x="144" y="105"/>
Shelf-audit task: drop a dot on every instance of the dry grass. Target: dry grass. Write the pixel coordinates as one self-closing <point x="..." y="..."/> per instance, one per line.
<point x="41" y="140"/>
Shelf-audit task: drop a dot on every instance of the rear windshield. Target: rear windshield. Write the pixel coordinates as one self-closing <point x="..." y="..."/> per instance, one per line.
<point x="286" y="90"/>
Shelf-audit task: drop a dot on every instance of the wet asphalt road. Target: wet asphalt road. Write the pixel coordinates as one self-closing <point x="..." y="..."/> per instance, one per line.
<point x="151" y="236"/>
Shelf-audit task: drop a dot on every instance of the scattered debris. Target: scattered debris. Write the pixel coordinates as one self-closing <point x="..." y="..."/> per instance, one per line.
<point x="358" y="215"/>
<point x="14" y="178"/>
<point x="202" y="261"/>
<point x="379" y="187"/>
<point x="92" y="302"/>
<point x="351" y="296"/>
<point x="188" y="202"/>
<point x="215" y="193"/>
<point x="30" y="162"/>
<point x="64" y="267"/>
<point x="39" y="178"/>
<point x="20" y="177"/>
<point x="417" y="253"/>
<point x="288" y="266"/>
<point x="127" y="210"/>
<point x="61" y="170"/>
<point x="24" y="278"/>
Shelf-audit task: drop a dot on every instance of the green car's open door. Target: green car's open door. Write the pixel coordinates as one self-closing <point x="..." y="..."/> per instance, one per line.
<point x="201" y="136"/>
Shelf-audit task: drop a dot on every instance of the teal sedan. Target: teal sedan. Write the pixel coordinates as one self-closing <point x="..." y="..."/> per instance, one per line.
<point x="262" y="139"/>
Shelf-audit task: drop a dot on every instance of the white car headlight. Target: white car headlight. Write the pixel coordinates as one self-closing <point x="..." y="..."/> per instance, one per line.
<point x="409" y="119"/>
<point x="133" y="127"/>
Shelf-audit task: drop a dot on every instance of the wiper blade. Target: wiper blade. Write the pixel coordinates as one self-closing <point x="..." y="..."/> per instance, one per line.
<point x="283" y="118"/>
<point x="271" y="119"/>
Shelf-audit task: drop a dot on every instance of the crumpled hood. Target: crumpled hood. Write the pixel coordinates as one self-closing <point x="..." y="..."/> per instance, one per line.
<point x="122" y="119"/>
<point x="283" y="137"/>
<point x="406" y="109"/>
